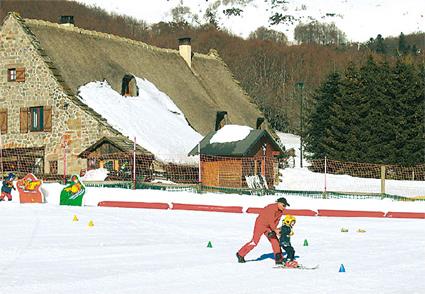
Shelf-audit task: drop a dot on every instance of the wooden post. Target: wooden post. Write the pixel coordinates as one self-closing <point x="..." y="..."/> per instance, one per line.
<point x="134" y="164"/>
<point x="382" y="179"/>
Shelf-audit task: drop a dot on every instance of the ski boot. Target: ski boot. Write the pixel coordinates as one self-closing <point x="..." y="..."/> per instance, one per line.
<point x="241" y="259"/>
<point x="278" y="258"/>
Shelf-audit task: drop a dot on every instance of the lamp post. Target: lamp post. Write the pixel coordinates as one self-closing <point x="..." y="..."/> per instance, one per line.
<point x="300" y="86"/>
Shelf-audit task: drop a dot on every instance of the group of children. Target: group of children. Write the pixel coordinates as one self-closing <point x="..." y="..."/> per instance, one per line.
<point x="6" y="189"/>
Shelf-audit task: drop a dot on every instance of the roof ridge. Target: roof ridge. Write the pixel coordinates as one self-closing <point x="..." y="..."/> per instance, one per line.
<point x="110" y="36"/>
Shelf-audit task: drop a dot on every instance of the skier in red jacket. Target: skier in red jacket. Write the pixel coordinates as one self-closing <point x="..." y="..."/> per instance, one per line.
<point x="266" y="223"/>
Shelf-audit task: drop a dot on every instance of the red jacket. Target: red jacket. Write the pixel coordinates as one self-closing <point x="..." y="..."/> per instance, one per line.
<point x="270" y="216"/>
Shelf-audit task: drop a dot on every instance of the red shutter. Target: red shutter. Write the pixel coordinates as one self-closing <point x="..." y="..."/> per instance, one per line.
<point x="3" y="121"/>
<point x="47" y="123"/>
<point x="20" y="74"/>
<point x="24" y="120"/>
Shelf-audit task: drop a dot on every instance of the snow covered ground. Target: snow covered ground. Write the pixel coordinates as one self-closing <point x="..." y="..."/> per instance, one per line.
<point x="165" y="251"/>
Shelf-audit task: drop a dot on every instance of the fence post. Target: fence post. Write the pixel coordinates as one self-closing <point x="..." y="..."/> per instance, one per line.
<point x="325" y="172"/>
<point x="134" y="164"/>
<point x="64" y="161"/>
<point x="199" y="165"/>
<point x="382" y="179"/>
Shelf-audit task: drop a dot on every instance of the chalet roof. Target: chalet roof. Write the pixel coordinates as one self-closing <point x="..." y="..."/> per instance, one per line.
<point x="122" y="144"/>
<point x="80" y="56"/>
<point x="246" y="147"/>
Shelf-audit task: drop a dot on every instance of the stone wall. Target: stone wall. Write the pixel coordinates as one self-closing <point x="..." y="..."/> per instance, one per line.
<point x="41" y="88"/>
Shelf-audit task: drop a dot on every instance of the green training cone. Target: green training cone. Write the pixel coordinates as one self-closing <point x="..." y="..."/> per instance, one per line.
<point x="209" y="244"/>
<point x="305" y="242"/>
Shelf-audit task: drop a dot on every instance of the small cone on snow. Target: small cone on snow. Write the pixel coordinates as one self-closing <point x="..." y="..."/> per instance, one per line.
<point x="305" y="242"/>
<point x="75" y="219"/>
<point x="209" y="244"/>
<point x="91" y="224"/>
<point x="344" y="230"/>
<point x="361" y="231"/>
<point x="342" y="268"/>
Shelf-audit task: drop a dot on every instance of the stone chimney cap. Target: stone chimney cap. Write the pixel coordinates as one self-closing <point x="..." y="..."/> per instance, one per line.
<point x="186" y="40"/>
<point x="66" y="19"/>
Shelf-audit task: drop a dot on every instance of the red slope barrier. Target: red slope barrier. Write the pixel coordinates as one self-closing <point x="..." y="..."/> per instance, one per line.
<point x="405" y="214"/>
<point x="350" y="213"/>
<point x="128" y="204"/>
<point x="199" y="207"/>
<point x="298" y="212"/>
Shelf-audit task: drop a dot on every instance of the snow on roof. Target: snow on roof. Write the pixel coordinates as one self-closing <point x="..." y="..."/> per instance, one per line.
<point x="152" y="118"/>
<point x="231" y="133"/>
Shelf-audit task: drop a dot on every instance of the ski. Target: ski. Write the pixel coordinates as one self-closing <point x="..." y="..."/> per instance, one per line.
<point x="299" y="267"/>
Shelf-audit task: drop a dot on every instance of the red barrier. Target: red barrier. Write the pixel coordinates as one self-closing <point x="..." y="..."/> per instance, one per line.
<point x="256" y="210"/>
<point x="298" y="212"/>
<point x="198" y="207"/>
<point x="128" y="204"/>
<point x="405" y="214"/>
<point x="350" y="213"/>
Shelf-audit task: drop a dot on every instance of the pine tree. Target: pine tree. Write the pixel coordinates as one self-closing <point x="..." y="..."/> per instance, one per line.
<point x="376" y="113"/>
<point x="343" y="121"/>
<point x="410" y="138"/>
<point x="318" y="121"/>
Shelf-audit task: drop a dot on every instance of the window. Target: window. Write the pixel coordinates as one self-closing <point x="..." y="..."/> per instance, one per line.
<point x="53" y="167"/>
<point x="3" y="121"/>
<point x="36" y="116"/>
<point x="11" y="75"/>
<point x="16" y="74"/>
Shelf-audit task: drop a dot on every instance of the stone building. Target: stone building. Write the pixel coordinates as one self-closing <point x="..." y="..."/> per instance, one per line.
<point x="43" y="64"/>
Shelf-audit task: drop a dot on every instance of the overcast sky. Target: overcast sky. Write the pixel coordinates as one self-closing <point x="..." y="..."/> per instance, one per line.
<point x="359" y="19"/>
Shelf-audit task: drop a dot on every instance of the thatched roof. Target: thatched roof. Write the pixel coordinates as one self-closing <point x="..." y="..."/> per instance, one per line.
<point x="82" y="56"/>
<point x="247" y="147"/>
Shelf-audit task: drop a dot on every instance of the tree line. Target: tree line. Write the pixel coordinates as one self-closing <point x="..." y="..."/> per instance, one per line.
<point x="266" y="66"/>
<point x="371" y="113"/>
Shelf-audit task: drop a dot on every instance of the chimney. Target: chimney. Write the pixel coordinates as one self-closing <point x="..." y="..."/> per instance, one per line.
<point x="67" y="20"/>
<point x="220" y="119"/>
<point x="185" y="49"/>
<point x="260" y="123"/>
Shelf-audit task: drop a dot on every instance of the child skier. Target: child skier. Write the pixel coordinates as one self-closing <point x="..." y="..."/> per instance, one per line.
<point x="285" y="241"/>
<point x="6" y="189"/>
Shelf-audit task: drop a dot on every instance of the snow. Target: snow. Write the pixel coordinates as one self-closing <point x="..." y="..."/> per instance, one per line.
<point x="163" y="251"/>
<point x="231" y="133"/>
<point x="359" y="19"/>
<point x="99" y="174"/>
<point x="152" y="118"/>
<point x="301" y="179"/>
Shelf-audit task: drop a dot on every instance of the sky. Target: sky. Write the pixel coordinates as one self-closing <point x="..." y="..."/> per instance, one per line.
<point x="359" y="19"/>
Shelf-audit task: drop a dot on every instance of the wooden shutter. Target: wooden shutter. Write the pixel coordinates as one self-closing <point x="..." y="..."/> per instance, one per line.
<point x="3" y="121"/>
<point x="20" y="74"/>
<point x="24" y="120"/>
<point x="47" y="118"/>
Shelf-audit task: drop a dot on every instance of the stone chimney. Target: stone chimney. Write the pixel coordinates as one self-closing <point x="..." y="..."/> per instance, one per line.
<point x="67" y="20"/>
<point x="220" y="119"/>
<point x="260" y="123"/>
<point x="185" y="49"/>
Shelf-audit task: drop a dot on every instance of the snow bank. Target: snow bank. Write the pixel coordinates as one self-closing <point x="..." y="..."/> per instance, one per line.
<point x="99" y="174"/>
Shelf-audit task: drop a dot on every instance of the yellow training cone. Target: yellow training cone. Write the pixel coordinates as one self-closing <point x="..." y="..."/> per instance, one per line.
<point x="75" y="219"/>
<point x="91" y="224"/>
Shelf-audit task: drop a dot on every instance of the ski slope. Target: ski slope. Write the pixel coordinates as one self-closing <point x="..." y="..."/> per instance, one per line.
<point x="165" y="251"/>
